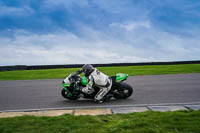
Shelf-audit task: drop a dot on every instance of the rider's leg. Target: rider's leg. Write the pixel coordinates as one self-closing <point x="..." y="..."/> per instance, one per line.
<point x="99" y="97"/>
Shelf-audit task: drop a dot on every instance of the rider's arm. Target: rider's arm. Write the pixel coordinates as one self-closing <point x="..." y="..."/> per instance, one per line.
<point x="79" y="71"/>
<point x="88" y="89"/>
<point x="90" y="82"/>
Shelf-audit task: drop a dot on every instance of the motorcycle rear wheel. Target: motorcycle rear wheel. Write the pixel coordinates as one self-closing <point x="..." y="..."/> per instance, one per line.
<point x="123" y="91"/>
<point x="73" y="97"/>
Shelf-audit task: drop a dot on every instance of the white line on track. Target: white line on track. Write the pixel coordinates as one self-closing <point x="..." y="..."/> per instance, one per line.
<point x="106" y="106"/>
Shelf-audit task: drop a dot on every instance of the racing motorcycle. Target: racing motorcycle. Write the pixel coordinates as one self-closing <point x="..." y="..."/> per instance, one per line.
<point x="74" y="83"/>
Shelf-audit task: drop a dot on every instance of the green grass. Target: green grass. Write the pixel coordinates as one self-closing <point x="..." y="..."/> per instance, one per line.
<point x="145" y="122"/>
<point x="131" y="70"/>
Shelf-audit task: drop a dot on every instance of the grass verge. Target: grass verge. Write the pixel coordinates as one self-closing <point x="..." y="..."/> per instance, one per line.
<point x="131" y="70"/>
<point x="145" y="122"/>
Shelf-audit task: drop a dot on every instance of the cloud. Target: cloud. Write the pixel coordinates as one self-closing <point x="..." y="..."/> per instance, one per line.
<point x="82" y="31"/>
<point x="129" y="26"/>
<point x="15" y="11"/>
<point x="64" y="47"/>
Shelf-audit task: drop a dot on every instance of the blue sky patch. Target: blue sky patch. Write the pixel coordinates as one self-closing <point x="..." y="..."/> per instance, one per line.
<point x="105" y="31"/>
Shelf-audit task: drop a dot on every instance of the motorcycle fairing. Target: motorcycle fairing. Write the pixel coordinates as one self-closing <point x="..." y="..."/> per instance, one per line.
<point x="121" y="77"/>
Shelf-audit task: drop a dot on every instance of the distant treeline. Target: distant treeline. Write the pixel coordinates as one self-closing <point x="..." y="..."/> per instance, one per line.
<point x="34" y="67"/>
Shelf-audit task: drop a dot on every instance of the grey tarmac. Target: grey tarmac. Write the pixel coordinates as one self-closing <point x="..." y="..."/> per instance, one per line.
<point x="163" y="90"/>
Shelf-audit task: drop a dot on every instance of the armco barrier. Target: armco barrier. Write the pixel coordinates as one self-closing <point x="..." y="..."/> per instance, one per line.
<point x="24" y="67"/>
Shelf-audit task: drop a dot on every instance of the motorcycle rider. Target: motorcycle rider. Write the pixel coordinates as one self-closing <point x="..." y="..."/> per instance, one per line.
<point x="98" y="79"/>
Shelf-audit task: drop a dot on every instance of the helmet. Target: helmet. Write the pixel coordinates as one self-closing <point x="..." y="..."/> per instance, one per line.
<point x="87" y="69"/>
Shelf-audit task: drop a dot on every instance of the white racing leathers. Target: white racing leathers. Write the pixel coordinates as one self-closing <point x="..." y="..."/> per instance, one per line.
<point x="100" y="80"/>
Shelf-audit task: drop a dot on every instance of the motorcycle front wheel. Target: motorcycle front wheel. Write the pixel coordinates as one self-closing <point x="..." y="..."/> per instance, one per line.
<point x="123" y="91"/>
<point x="65" y="95"/>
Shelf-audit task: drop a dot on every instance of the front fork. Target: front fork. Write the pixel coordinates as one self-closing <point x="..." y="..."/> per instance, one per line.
<point x="68" y="92"/>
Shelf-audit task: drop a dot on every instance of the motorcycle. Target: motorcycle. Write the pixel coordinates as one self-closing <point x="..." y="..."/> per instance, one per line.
<point x="74" y="83"/>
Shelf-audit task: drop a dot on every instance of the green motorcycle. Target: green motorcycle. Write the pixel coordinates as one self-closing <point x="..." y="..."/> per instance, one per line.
<point x="74" y="83"/>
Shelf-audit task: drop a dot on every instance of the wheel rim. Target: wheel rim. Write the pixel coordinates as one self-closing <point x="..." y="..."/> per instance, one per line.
<point x="65" y="93"/>
<point x="123" y="93"/>
<point x="126" y="92"/>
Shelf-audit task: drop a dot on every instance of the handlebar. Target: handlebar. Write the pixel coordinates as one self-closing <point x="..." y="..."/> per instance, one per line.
<point x="75" y="74"/>
<point x="79" y="71"/>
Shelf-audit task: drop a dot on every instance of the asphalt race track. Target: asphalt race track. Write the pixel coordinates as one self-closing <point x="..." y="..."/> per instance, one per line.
<point x="148" y="90"/>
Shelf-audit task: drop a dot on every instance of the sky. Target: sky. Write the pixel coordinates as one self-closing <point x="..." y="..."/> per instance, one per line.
<point x="47" y="32"/>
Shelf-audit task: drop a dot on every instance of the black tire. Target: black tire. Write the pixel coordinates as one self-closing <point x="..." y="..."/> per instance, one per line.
<point x="73" y="97"/>
<point x="123" y="91"/>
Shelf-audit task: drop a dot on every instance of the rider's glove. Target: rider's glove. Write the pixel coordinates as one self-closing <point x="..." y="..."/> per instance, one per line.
<point x="79" y="71"/>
